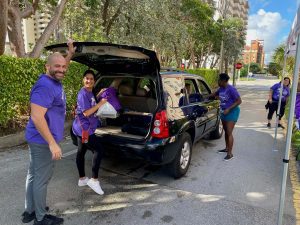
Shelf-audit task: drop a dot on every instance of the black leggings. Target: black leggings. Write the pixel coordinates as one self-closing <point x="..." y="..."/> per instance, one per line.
<point x="274" y="107"/>
<point x="94" y="145"/>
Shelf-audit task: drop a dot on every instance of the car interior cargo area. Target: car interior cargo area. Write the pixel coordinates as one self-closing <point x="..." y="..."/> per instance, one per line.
<point x="129" y="124"/>
<point x="138" y="100"/>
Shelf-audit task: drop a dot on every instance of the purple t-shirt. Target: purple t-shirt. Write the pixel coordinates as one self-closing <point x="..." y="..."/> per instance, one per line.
<point x="85" y="101"/>
<point x="297" y="106"/>
<point x="228" y="96"/>
<point x="276" y="92"/>
<point x="48" y="93"/>
<point x="111" y="95"/>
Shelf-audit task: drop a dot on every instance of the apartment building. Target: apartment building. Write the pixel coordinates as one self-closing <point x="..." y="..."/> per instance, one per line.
<point x="230" y="8"/>
<point x="32" y="29"/>
<point x="254" y="53"/>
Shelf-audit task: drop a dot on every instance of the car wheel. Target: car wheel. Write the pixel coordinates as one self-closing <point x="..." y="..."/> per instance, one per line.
<point x="218" y="132"/>
<point x="182" y="160"/>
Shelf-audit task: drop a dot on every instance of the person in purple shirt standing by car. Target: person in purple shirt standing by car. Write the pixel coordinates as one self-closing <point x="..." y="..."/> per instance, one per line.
<point x="44" y="132"/>
<point x="84" y="127"/>
<point x="273" y="100"/>
<point x="230" y="111"/>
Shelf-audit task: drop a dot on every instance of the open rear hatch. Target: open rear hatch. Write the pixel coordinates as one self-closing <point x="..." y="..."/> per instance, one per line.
<point x="122" y="61"/>
<point x="112" y="58"/>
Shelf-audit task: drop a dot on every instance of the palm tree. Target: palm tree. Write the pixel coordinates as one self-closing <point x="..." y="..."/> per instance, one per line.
<point x="278" y="58"/>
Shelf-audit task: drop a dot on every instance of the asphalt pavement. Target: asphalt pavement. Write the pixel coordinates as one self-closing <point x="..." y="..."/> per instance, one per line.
<point x="242" y="191"/>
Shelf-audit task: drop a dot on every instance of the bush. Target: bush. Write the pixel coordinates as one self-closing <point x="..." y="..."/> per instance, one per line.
<point x="17" y="76"/>
<point x="244" y="72"/>
<point x="210" y="76"/>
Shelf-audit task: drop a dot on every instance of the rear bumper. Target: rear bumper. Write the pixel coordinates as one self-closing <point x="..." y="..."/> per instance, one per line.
<point x="155" y="151"/>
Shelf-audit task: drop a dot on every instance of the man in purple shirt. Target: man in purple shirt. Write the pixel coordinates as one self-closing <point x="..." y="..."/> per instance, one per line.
<point x="230" y="101"/>
<point x="43" y="133"/>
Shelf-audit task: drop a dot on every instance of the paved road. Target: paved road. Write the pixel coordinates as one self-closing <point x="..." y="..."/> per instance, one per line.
<point x="242" y="191"/>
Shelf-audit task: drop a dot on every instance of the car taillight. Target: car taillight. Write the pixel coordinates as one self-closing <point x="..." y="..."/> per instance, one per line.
<point x="161" y="127"/>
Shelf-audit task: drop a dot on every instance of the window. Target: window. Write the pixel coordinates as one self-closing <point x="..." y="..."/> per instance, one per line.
<point x="204" y="89"/>
<point x="148" y="86"/>
<point x="191" y="92"/>
<point x="173" y="91"/>
<point x="190" y="86"/>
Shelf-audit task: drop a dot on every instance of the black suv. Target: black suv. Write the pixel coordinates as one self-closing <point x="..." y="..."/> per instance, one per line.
<point x="163" y="112"/>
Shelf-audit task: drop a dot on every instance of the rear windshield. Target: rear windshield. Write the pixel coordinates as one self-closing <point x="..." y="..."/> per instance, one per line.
<point x="173" y="91"/>
<point x="136" y="84"/>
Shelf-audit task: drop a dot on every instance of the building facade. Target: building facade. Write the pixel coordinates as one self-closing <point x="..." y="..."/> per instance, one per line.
<point x="32" y="29"/>
<point x="225" y="9"/>
<point x="254" y="53"/>
<point x="230" y="8"/>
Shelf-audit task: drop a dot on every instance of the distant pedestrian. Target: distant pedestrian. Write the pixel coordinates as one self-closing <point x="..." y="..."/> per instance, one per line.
<point x="44" y="132"/>
<point x="230" y="111"/>
<point x="274" y="95"/>
<point x="84" y="127"/>
<point x="297" y="107"/>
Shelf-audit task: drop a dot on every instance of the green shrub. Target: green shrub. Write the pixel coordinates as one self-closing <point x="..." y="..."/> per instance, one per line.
<point x="17" y="76"/>
<point x="210" y="76"/>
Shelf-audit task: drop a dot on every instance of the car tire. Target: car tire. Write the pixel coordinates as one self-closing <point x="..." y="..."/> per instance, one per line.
<point x="217" y="133"/>
<point x="182" y="160"/>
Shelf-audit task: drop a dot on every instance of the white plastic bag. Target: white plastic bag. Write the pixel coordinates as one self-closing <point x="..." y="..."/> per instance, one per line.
<point x="107" y="111"/>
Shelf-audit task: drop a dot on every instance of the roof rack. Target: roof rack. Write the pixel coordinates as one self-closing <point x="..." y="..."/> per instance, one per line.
<point x="168" y="69"/>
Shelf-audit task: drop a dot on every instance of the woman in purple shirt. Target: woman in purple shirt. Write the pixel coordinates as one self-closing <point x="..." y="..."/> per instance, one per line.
<point x="274" y="95"/>
<point x="84" y="127"/>
<point x="230" y="111"/>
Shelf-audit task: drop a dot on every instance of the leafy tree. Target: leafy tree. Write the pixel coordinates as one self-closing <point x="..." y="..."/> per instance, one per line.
<point x="274" y="69"/>
<point x="234" y="39"/>
<point x="278" y="58"/>
<point x="255" y="68"/>
<point x="16" y="11"/>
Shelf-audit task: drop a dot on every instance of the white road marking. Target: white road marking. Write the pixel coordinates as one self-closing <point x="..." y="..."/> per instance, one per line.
<point x="69" y="153"/>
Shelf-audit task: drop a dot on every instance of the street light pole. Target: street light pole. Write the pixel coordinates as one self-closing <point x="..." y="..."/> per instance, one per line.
<point x="250" y="53"/>
<point x="221" y="56"/>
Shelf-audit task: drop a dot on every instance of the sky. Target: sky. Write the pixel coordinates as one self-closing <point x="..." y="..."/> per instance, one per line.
<point x="271" y="21"/>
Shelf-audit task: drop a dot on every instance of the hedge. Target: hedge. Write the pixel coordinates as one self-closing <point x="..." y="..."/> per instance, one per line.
<point x="210" y="76"/>
<point x="17" y="76"/>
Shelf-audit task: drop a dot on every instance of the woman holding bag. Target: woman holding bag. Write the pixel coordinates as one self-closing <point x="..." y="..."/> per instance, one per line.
<point x="84" y="127"/>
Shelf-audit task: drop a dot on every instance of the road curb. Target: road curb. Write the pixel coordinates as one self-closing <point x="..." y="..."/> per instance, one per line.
<point x="17" y="139"/>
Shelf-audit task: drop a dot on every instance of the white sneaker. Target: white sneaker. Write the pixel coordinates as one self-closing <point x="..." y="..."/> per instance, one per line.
<point x="83" y="182"/>
<point x="95" y="185"/>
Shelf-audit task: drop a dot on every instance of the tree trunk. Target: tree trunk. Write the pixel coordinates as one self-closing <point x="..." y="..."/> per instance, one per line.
<point x="178" y="61"/>
<point x="112" y="21"/>
<point x="41" y="42"/>
<point x="204" y="61"/>
<point x="3" y="24"/>
<point x="226" y="65"/>
<point x="15" y="33"/>
<point x="214" y="63"/>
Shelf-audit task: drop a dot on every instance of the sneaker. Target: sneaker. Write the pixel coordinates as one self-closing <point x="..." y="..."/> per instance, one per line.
<point x="223" y="151"/>
<point x="95" y="185"/>
<point x="269" y="125"/>
<point x="83" y="182"/>
<point x="49" y="220"/>
<point x="28" y="217"/>
<point x="279" y="125"/>
<point x="228" y="157"/>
